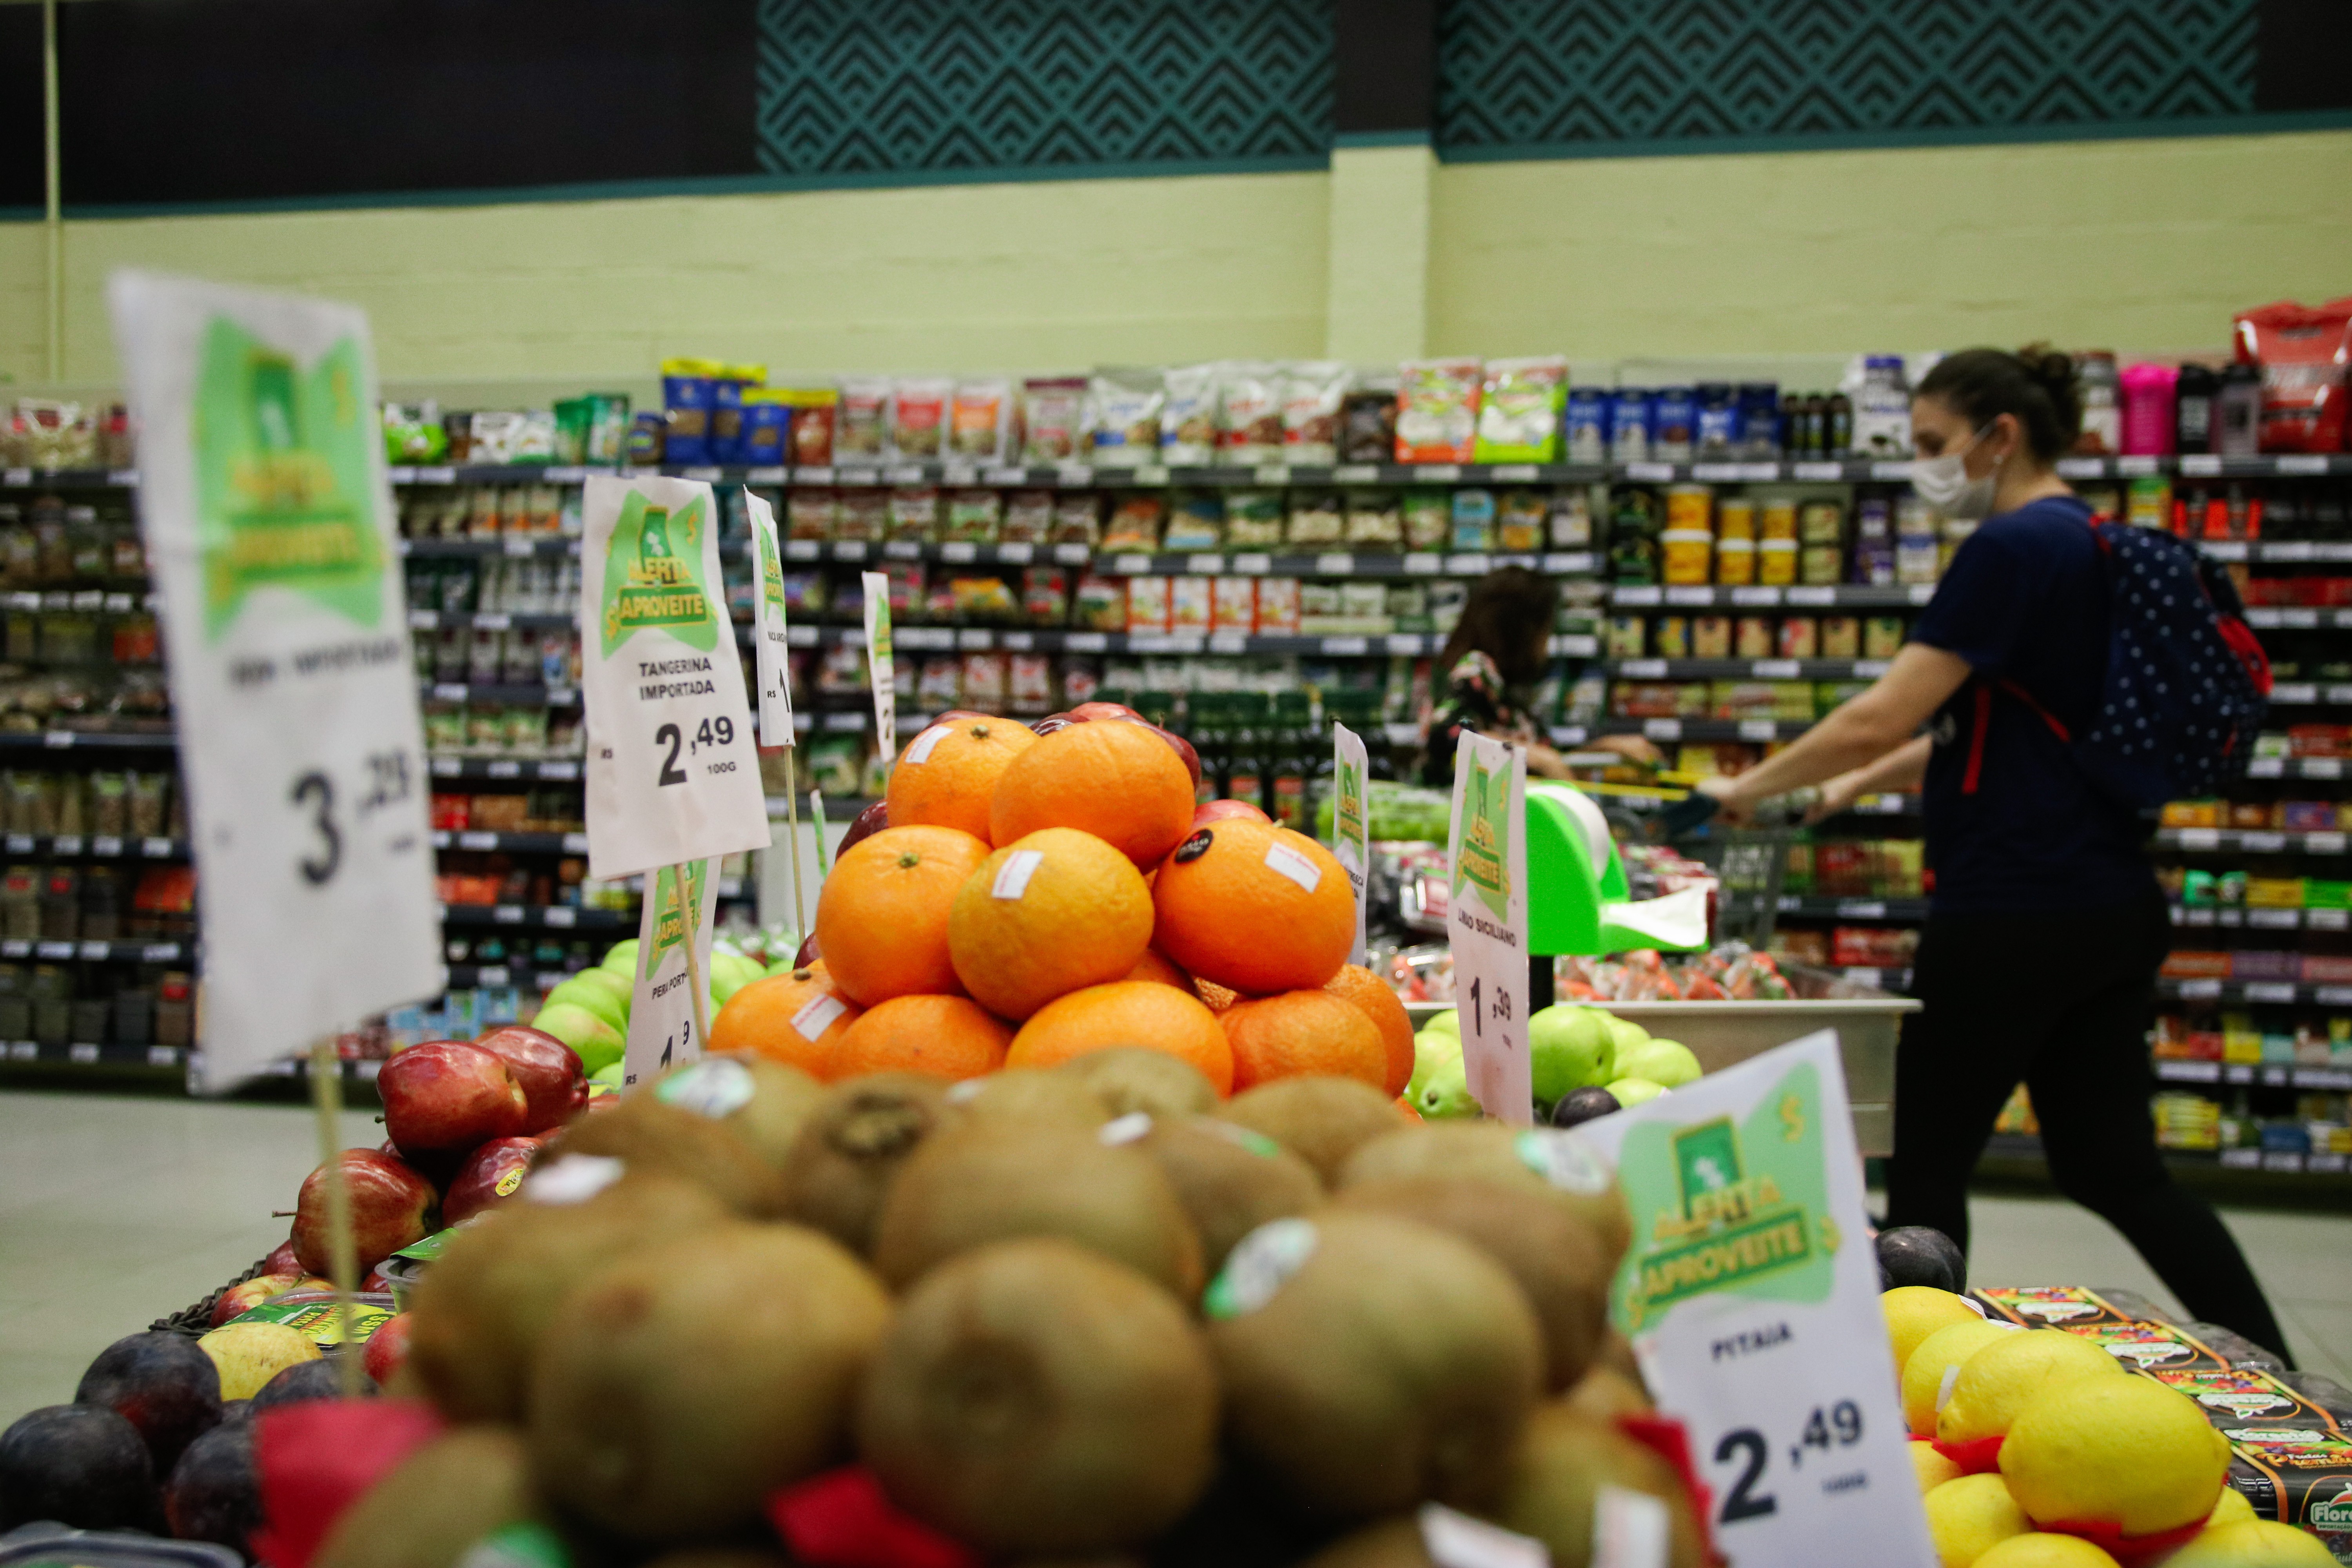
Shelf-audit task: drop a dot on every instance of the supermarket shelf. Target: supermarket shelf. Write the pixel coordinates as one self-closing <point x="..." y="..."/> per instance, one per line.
<point x="1706" y="729"/>
<point x="2279" y="992"/>
<point x="524" y="976"/>
<point x="2251" y="841"/>
<point x="68" y="478"/>
<point x="2311" y="694"/>
<point x="548" y="770"/>
<point x="537" y="917"/>
<point x="2282" y="551"/>
<point x="160" y="1058"/>
<point x="94" y="846"/>
<point x="512" y="843"/>
<point x="520" y="545"/>
<point x="2015" y="1150"/>
<point x="521" y="695"/>
<point x="1898" y="911"/>
<point x="490" y="620"/>
<point x="1893" y="981"/>
<point x="967" y="639"/>
<point x="2280" y="617"/>
<point x="2296" y="768"/>
<point x="2266" y="1074"/>
<point x="1845" y="596"/>
<point x="133" y="950"/>
<point x="89" y="741"/>
<point x="1884" y="805"/>
<point x="1747" y="669"/>
<point x="2235" y="918"/>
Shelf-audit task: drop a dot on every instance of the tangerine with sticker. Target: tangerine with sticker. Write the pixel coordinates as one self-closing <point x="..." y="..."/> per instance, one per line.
<point x="1044" y="916"/>
<point x="796" y="1018"/>
<point x="1254" y="908"/>
<point x="939" y="1037"/>
<point x="1121" y="781"/>
<point x="947" y="775"/>
<point x="882" y="917"/>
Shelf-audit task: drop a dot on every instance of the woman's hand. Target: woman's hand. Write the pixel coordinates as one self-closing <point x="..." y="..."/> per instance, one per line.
<point x="1632" y="748"/>
<point x="1839" y="794"/>
<point x="1543" y="762"/>
<point x="1732" y="806"/>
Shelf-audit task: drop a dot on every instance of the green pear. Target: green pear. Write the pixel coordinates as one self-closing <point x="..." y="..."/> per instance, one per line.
<point x="1624" y="1035"/>
<point x="621" y="958"/>
<point x="1432" y="1049"/>
<point x="610" y="1073"/>
<point x="1446" y="1094"/>
<point x="1569" y="1048"/>
<point x="597" y="1041"/>
<point x="1449" y="1022"/>
<point x="1634" y="1092"/>
<point x="730" y="973"/>
<point x="579" y="993"/>
<point x="1667" y="1063"/>
<point x="622" y="987"/>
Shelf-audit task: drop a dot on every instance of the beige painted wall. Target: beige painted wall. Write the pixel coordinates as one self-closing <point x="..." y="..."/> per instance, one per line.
<point x="2143" y="245"/>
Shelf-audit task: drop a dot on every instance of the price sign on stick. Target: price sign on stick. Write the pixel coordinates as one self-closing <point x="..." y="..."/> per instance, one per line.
<point x="673" y="769"/>
<point x="1750" y="1293"/>
<point x="771" y="645"/>
<point x="665" y="1016"/>
<point x="879" y="668"/>
<point x="1352" y="840"/>
<point x="1486" y="923"/>
<point x="264" y="502"/>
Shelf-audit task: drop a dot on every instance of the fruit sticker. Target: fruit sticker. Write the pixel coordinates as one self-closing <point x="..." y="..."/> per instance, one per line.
<point x="1751" y="1299"/>
<point x="269" y="525"/>
<point x="1486" y="923"/>
<point x="771" y="630"/>
<point x="1260" y="1264"/>
<point x="673" y="765"/>
<point x="663" y="1031"/>
<point x="1351" y="841"/>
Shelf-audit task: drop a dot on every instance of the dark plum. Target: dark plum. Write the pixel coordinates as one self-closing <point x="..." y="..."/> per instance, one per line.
<point x="320" y="1379"/>
<point x="214" y="1493"/>
<point x="1583" y="1105"/>
<point x="1921" y="1254"/>
<point x="161" y="1384"/>
<point x="80" y="1465"/>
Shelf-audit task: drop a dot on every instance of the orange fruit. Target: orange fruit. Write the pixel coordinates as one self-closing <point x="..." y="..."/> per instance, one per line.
<point x="882" y="916"/>
<point x="1216" y="998"/>
<point x="1301" y="1033"/>
<point x="943" y="1037"/>
<point x="947" y="775"/>
<point x="1254" y="907"/>
<point x="1362" y="989"/>
<point x="1117" y="781"/>
<point x="1156" y="965"/>
<point x="1408" y="1110"/>
<point x="796" y="1018"/>
<point x="1125" y="1012"/>
<point x="1044" y="915"/>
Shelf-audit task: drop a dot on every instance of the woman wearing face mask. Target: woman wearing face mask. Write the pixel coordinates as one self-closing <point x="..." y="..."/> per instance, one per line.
<point x="2046" y="926"/>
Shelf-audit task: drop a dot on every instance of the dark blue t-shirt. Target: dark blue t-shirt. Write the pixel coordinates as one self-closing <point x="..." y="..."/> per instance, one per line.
<point x="2025" y="601"/>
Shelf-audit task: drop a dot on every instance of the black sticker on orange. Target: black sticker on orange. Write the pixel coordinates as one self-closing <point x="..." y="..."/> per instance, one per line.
<point x="1192" y="848"/>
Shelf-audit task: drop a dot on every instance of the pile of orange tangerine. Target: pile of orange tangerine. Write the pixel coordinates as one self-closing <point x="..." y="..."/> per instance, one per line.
<point x="1035" y="897"/>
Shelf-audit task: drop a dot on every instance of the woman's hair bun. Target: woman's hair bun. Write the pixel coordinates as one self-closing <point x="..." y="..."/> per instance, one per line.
<point x="2054" y="372"/>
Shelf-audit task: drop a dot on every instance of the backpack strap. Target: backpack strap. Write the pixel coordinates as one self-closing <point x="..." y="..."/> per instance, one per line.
<point x="1975" y="772"/>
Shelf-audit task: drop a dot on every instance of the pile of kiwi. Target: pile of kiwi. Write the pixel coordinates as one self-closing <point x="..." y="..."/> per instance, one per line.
<point x="1091" y="1312"/>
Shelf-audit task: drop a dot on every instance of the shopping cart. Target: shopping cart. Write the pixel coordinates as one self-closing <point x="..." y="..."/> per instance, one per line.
<point x="1749" y="861"/>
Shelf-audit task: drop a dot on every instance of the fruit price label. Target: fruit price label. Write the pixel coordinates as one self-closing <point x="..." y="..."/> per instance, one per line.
<point x="673" y="769"/>
<point x="1750" y="1293"/>
<point x="1486" y="922"/>
<point x="1352" y="840"/>
<point x="770" y="633"/>
<point x="663" y="1030"/>
<point x="269" y="521"/>
<point x="880" y="670"/>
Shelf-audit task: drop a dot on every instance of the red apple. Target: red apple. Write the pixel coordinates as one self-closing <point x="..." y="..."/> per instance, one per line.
<point x="490" y="1174"/>
<point x="251" y="1294"/>
<point x="283" y="1259"/>
<point x="445" y="1096"/>
<point x="1086" y="712"/>
<point x="387" y="1349"/>
<point x="809" y="953"/>
<point x="952" y="714"/>
<point x="1212" y="811"/>
<point x="555" y="1084"/>
<point x="375" y="1284"/>
<point x="1183" y="747"/>
<point x="389" y="1203"/>
<point x="863" y="826"/>
<point x="1053" y="722"/>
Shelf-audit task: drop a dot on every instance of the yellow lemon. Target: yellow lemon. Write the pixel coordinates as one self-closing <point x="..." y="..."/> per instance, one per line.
<point x="2255" y="1543"/>
<point x="2233" y="1509"/>
<point x="249" y="1354"/>
<point x="1939" y="1355"/>
<point x="1915" y="1312"/>
<point x="1967" y="1517"/>
<point x="2126" y="1451"/>
<point x="1999" y="1380"/>
<point x="2046" y="1552"/>
<point x="1933" y="1468"/>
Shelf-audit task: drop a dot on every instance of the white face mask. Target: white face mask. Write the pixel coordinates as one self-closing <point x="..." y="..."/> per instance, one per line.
<point x="1943" y="482"/>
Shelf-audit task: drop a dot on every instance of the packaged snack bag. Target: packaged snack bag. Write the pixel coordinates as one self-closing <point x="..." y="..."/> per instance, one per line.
<point x="974" y="514"/>
<point x="1196" y="521"/>
<point x="1313" y="394"/>
<point x="863" y="514"/>
<point x="914" y="514"/>
<point x="1191" y="605"/>
<point x="687" y="392"/>
<point x="1123" y="415"/>
<point x="1098" y="604"/>
<point x="1028" y="517"/>
<point x="1428" y="517"/>
<point x="1134" y="523"/>
<point x="1147" y="604"/>
<point x="919" y="417"/>
<point x="814" y="410"/>
<point x="1045" y="596"/>
<point x="1252" y="518"/>
<point x="1520" y="408"/>
<point x="980" y="421"/>
<point x="2303" y="352"/>
<point x="1277" y="606"/>
<point x="1249" y="412"/>
<point x="1188" y="422"/>
<point x="1235" y="604"/>
<point x="1030" y="683"/>
<point x="1078" y="517"/>
<point x="1437" y="410"/>
<point x="811" y="512"/>
<point x="1316" y="518"/>
<point x="1374" y="521"/>
<point x="1519" y="522"/>
<point x="1055" y="410"/>
<point x="983" y="682"/>
<point x="1367" y="422"/>
<point x="860" y="432"/>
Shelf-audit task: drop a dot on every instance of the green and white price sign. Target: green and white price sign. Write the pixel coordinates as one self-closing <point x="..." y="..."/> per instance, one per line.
<point x="772" y="641"/>
<point x="1750" y="1293"/>
<point x="1486" y="923"/>
<point x="264" y="502"/>
<point x="1351" y="839"/>
<point x="664" y="1029"/>
<point x="881" y="668"/>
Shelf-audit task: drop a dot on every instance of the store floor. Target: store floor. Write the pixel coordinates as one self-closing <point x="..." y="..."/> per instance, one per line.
<point x="115" y="1210"/>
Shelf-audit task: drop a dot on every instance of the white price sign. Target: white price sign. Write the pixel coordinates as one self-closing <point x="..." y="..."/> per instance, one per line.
<point x="673" y="769"/>
<point x="879" y="669"/>
<point x="1351" y="841"/>
<point x="772" y="636"/>
<point x="665" y="1018"/>
<point x="1487" y="920"/>
<point x="269" y="519"/>
<point x="1751" y="1295"/>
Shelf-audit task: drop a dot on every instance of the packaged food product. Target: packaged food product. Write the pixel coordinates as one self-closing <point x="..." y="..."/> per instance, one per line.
<point x="1588" y="424"/>
<point x="1364" y="606"/>
<point x="905" y="579"/>
<point x="1233" y="603"/>
<point x="1123" y="412"/>
<point x="1627" y="637"/>
<point x="1630" y="412"/>
<point x="1374" y="520"/>
<point x="814" y="410"/>
<point x="1029" y="683"/>
<point x="2303" y="352"/>
<point x="1055" y="415"/>
<point x="918" y="416"/>
<point x="1572" y="519"/>
<point x="1881" y="408"/>
<point x="1081" y="681"/>
<point x="1473" y="519"/>
<point x="1711" y="636"/>
<point x="1188" y="423"/>
<point x="914" y="514"/>
<point x="1685" y="554"/>
<point x="1078" y="517"/>
<point x="1776" y="563"/>
<point x="767" y="415"/>
<point x="1437" y="410"/>
<point x="1519" y="520"/>
<point x="1249" y="412"/>
<point x="811" y="512"/>
<point x="1318" y="607"/>
<point x="1519" y="406"/>
<point x="1316" y="518"/>
<point x="1045" y="596"/>
<point x="1028" y="517"/>
<point x="1191" y="605"/>
<point x="1690" y="507"/>
<point x="1675" y="424"/>
<point x="861" y="431"/>
<point x="1134" y="522"/>
<point x="1428" y="518"/>
<point x="984" y="601"/>
<point x="805" y="594"/>
<point x="1147" y="604"/>
<point x="1367" y="422"/>
<point x="1735" y="562"/>
<point x="1818" y="564"/>
<point x="1098" y="604"/>
<point x="727" y="390"/>
<point x="984" y="677"/>
<point x="974" y="514"/>
<point x="1882" y="637"/>
<point x="646" y="445"/>
<point x="1759" y="418"/>
<point x="1277" y="606"/>
<point x="1752" y="637"/>
<point x="1408" y="607"/>
<point x="687" y="395"/>
<point x="1670" y="637"/>
<point x="1800" y="638"/>
<point x="863" y="514"/>
<point x="1840" y="637"/>
<point x="1196" y="521"/>
<point x="980" y="421"/>
<point x="1313" y="393"/>
<point x="1253" y="519"/>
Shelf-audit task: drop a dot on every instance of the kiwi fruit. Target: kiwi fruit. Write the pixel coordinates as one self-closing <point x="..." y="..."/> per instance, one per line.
<point x="992" y="1179"/>
<point x="1035" y="1397"/>
<point x="653" y="1135"/>
<point x="1321" y="1119"/>
<point x="1552" y="1159"/>
<point x="1391" y="1543"/>
<point x="1230" y="1179"/>
<point x="478" y="1312"/>
<point x="1603" y="1393"/>
<point x="1129" y="1079"/>
<point x="849" y="1150"/>
<point x="1547" y="1246"/>
<point x="685" y="1381"/>
<point x="782" y="1099"/>
<point x="1035" y="1094"/>
<point x="1371" y="1363"/>
<point x="1556" y="1476"/>
<point x="434" y="1506"/>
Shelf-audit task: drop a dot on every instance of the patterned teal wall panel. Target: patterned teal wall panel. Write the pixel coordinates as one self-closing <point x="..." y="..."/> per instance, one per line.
<point x="930" y="88"/>
<point x="1548" y="78"/>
